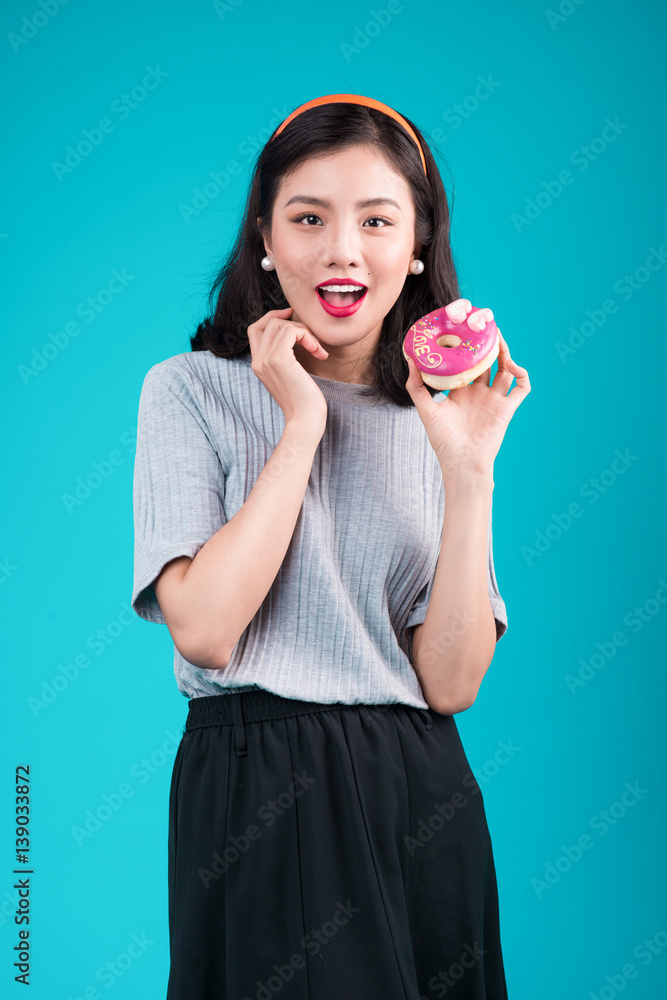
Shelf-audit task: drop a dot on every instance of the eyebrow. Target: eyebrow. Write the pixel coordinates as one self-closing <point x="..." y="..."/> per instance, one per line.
<point x="366" y="203"/>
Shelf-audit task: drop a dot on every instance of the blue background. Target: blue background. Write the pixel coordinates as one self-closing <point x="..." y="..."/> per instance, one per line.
<point x="570" y="270"/>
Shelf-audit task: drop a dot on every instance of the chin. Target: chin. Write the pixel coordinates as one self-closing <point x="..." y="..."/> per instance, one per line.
<point x="333" y="331"/>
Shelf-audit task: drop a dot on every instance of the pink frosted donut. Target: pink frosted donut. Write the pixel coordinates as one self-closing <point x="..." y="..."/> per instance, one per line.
<point x="450" y="355"/>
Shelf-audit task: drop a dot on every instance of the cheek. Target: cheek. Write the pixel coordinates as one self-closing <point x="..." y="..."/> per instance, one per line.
<point x="298" y="271"/>
<point x="391" y="265"/>
<point x="391" y="278"/>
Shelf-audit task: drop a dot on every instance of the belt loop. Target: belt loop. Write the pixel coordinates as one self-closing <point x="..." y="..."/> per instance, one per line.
<point x="239" y="727"/>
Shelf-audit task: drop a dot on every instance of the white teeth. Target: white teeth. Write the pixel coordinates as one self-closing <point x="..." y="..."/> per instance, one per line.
<point x="340" y="288"/>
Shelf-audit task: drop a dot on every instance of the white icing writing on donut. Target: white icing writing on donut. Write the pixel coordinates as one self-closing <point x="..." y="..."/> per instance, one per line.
<point x="454" y="355"/>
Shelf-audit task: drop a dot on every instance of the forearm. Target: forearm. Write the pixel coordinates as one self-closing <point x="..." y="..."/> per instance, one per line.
<point x="232" y="573"/>
<point x="457" y="640"/>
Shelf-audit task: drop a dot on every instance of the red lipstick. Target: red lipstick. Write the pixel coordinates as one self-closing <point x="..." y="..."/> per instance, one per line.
<point x="349" y="308"/>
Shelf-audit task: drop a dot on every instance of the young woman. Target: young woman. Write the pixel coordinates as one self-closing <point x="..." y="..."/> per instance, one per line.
<point x="315" y="531"/>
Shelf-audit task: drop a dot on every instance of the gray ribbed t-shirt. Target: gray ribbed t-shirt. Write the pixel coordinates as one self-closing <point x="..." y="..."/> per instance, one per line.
<point x="336" y="624"/>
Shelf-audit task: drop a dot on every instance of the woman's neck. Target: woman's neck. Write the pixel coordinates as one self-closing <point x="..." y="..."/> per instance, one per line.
<point x="352" y="370"/>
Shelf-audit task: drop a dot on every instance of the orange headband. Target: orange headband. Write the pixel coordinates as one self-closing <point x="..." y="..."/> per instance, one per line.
<point x="369" y="102"/>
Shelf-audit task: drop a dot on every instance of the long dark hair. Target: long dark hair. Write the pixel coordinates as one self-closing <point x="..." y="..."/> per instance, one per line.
<point x="243" y="291"/>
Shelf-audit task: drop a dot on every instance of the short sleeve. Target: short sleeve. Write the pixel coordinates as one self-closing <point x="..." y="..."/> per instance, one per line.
<point x="178" y="487"/>
<point x="418" y="611"/>
<point x="497" y="603"/>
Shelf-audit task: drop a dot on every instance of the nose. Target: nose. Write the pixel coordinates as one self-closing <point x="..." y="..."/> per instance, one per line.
<point x="341" y="246"/>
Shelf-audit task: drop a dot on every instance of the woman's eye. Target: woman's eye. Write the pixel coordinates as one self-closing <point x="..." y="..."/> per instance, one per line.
<point x="375" y="218"/>
<point x="306" y="215"/>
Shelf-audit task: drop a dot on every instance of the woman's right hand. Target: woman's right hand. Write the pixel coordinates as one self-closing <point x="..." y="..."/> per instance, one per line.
<point x="272" y="339"/>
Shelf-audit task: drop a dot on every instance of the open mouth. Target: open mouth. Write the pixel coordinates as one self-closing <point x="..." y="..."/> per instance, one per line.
<point x="341" y="295"/>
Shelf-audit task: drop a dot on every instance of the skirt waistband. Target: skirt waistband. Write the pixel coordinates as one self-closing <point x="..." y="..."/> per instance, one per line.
<point x="261" y="705"/>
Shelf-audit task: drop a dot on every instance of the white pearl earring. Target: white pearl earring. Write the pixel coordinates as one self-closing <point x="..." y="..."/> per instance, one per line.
<point x="267" y="263"/>
<point x="416" y="266"/>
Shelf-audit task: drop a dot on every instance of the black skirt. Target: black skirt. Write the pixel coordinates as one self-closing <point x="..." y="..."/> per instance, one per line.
<point x="328" y="852"/>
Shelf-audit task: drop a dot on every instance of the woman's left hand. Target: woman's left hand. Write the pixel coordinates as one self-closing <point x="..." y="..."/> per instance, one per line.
<point x="467" y="427"/>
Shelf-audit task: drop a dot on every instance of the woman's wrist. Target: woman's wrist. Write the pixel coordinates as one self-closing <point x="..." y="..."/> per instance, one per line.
<point x="467" y="479"/>
<point x="305" y="430"/>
